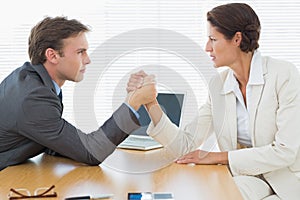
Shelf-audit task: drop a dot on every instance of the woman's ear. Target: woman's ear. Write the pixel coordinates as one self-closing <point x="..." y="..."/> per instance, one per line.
<point x="51" y="55"/>
<point x="237" y="38"/>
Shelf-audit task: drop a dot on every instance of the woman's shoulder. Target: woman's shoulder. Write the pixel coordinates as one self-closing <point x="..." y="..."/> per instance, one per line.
<point x="280" y="69"/>
<point x="278" y="64"/>
<point x="221" y="75"/>
<point x="217" y="81"/>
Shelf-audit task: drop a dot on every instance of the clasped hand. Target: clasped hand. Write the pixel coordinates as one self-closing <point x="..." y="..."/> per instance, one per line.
<point x="141" y="89"/>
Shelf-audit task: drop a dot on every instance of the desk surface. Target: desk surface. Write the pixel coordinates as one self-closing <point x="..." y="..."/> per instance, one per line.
<point x="122" y="172"/>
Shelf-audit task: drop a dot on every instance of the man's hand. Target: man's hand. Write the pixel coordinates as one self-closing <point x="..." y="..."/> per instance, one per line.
<point x="204" y="157"/>
<point x="136" y="81"/>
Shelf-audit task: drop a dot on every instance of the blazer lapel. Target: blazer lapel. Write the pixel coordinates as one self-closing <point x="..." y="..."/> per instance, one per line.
<point x="230" y="113"/>
<point x="255" y="98"/>
<point x="256" y="94"/>
<point x="230" y="99"/>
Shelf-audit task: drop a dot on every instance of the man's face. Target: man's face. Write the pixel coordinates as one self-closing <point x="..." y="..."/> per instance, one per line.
<point x="72" y="64"/>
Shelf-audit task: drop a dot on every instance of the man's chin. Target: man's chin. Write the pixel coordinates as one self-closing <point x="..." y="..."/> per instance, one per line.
<point x="78" y="79"/>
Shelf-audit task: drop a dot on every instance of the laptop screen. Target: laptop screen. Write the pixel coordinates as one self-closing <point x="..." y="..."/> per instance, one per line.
<point x="171" y="104"/>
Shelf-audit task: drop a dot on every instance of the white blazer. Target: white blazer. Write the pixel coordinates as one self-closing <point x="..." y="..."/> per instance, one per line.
<point x="274" y="127"/>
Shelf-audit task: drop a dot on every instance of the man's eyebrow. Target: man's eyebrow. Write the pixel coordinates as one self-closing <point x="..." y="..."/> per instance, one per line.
<point x="82" y="49"/>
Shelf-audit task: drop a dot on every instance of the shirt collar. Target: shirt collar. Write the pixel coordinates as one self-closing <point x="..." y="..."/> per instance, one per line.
<point x="230" y="82"/>
<point x="57" y="88"/>
<point x="255" y="75"/>
<point x="256" y="72"/>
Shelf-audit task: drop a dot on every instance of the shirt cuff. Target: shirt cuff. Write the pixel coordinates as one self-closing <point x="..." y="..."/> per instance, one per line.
<point x="133" y="110"/>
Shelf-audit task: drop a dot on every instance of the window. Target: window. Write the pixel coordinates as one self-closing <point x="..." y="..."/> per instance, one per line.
<point x="165" y="37"/>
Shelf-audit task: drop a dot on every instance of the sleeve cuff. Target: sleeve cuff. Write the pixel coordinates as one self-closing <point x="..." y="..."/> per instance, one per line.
<point x="133" y="110"/>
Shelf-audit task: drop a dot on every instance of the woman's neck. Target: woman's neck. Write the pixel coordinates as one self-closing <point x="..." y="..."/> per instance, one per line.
<point x="241" y="68"/>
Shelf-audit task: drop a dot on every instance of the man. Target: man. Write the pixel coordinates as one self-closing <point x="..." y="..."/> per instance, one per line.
<point x="31" y="108"/>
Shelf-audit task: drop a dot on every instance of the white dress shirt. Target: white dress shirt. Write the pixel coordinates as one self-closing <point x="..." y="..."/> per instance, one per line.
<point x="242" y="110"/>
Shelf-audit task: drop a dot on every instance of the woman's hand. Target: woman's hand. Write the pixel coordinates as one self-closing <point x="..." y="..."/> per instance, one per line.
<point x="204" y="157"/>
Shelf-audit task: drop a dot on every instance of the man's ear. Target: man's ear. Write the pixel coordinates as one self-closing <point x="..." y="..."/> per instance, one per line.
<point x="237" y="38"/>
<point x="51" y="55"/>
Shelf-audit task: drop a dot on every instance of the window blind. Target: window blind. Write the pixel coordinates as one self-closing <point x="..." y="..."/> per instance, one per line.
<point x="163" y="37"/>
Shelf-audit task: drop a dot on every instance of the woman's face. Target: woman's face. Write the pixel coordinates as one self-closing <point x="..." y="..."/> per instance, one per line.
<point x="223" y="52"/>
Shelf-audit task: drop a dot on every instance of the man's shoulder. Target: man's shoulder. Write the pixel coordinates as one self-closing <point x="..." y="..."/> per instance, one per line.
<point x="25" y="82"/>
<point x="32" y="76"/>
<point x="22" y="73"/>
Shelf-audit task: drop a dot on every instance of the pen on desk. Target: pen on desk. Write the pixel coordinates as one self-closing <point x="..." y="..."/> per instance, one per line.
<point x="103" y="196"/>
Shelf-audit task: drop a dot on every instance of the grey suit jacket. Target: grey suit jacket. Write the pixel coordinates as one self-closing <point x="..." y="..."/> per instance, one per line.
<point x="31" y="122"/>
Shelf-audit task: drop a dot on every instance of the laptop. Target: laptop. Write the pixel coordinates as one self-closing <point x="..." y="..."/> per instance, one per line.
<point x="172" y="104"/>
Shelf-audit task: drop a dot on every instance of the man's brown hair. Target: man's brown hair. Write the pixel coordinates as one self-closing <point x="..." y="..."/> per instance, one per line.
<point x="49" y="33"/>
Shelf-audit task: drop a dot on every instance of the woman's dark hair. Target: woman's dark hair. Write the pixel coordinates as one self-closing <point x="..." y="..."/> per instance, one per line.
<point x="49" y="33"/>
<point x="237" y="17"/>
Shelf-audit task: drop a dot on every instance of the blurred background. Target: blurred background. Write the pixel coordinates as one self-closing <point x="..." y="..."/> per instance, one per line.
<point x="176" y="34"/>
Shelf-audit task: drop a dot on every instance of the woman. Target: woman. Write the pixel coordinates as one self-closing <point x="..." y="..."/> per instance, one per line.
<point x="253" y="108"/>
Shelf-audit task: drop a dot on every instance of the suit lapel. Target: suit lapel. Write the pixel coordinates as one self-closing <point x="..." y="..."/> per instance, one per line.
<point x="256" y="94"/>
<point x="230" y="120"/>
<point x="230" y="99"/>
<point x="255" y="98"/>
<point x="45" y="77"/>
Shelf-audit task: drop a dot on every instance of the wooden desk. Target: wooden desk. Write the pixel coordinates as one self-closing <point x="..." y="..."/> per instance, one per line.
<point x="122" y="172"/>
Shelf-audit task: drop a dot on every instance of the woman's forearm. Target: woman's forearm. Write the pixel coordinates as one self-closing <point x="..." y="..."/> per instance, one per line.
<point x="155" y="111"/>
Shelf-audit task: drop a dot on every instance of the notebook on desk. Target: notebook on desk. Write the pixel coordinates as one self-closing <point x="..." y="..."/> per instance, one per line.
<point x="172" y="104"/>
